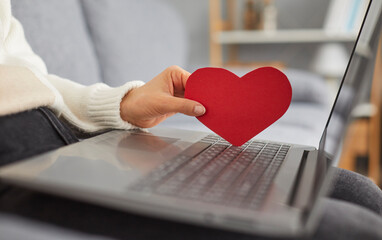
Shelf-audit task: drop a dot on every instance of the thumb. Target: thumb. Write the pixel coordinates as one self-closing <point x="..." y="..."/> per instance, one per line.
<point x="183" y="105"/>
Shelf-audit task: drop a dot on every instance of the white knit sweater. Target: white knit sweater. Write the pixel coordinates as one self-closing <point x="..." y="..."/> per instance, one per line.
<point x="25" y="84"/>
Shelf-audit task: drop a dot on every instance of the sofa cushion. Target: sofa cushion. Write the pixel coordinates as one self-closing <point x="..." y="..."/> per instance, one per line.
<point x="303" y="123"/>
<point x="56" y="31"/>
<point x="306" y="86"/>
<point x="135" y="39"/>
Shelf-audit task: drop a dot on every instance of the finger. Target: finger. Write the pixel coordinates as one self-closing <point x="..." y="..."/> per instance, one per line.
<point x="179" y="78"/>
<point x="182" y="105"/>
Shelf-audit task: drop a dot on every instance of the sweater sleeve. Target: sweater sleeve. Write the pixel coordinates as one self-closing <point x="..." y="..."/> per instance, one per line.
<point x="90" y="108"/>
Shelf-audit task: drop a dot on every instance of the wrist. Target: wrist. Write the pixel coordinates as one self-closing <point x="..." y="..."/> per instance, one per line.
<point x="124" y="106"/>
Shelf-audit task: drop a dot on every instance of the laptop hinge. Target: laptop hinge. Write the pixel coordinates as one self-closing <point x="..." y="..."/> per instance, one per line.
<point x="303" y="186"/>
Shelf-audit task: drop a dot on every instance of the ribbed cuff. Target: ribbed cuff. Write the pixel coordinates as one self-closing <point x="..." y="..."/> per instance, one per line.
<point x="104" y="105"/>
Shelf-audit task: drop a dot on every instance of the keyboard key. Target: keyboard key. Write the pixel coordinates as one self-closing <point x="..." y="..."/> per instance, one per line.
<point x="185" y="174"/>
<point x="207" y="175"/>
<point x="213" y="170"/>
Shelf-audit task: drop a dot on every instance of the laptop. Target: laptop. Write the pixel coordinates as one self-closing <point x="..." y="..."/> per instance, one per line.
<point x="263" y="187"/>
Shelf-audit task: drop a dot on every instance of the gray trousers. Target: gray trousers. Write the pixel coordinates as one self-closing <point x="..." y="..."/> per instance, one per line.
<point x="353" y="211"/>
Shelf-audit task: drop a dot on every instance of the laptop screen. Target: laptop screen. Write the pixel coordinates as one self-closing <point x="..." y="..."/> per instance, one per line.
<point x="356" y="80"/>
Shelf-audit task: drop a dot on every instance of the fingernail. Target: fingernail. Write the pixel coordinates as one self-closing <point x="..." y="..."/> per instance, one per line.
<point x="199" y="110"/>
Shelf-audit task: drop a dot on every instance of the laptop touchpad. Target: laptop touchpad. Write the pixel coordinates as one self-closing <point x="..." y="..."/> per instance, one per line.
<point x="108" y="163"/>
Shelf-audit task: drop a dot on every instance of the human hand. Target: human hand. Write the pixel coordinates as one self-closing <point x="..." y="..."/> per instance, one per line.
<point x="159" y="99"/>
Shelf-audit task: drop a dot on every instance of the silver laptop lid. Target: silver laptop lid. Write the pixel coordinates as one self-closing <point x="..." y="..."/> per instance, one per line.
<point x="353" y="80"/>
<point x="356" y="77"/>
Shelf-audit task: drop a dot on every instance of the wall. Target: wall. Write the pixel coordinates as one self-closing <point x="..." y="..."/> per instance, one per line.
<point x="195" y="15"/>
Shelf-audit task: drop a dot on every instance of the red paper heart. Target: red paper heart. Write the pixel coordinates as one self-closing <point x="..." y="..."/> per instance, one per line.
<point x="237" y="108"/>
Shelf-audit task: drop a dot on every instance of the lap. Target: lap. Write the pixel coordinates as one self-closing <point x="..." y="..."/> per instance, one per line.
<point x="30" y="133"/>
<point x="347" y="221"/>
<point x="99" y="221"/>
<point x="352" y="213"/>
<point x="355" y="188"/>
<point x="340" y="220"/>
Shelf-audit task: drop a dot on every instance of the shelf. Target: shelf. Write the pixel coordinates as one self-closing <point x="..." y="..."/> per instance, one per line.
<point x="281" y="36"/>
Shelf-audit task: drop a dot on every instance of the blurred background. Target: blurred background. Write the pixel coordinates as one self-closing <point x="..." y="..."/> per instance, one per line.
<point x="297" y="50"/>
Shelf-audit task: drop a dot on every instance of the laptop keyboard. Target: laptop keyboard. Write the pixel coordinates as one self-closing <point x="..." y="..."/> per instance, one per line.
<point x="212" y="170"/>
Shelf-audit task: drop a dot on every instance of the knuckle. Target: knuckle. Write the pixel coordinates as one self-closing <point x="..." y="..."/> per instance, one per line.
<point x="176" y="73"/>
<point x="174" y="68"/>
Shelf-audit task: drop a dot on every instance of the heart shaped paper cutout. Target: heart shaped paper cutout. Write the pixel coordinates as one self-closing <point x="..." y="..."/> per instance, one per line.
<point x="237" y="109"/>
